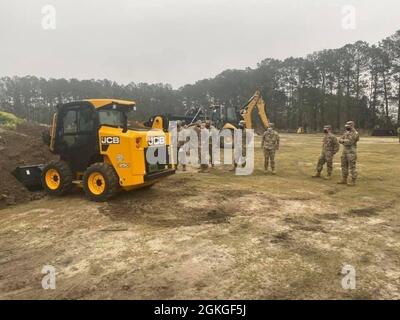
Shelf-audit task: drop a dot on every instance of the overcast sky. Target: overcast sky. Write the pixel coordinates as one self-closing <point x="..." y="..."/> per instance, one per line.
<point x="177" y="41"/>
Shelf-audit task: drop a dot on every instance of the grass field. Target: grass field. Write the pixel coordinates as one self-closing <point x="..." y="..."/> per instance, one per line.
<point x="218" y="236"/>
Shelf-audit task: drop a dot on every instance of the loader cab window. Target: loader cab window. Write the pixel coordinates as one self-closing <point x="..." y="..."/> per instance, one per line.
<point x="115" y="115"/>
<point x="113" y="118"/>
<point x="77" y="138"/>
<point x="78" y="125"/>
<point x="70" y="122"/>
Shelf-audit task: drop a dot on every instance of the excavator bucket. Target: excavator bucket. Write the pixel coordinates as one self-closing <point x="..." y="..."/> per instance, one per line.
<point x="253" y="113"/>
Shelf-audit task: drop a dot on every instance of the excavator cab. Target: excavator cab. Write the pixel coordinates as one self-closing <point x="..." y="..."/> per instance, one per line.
<point x="100" y="153"/>
<point x="220" y="115"/>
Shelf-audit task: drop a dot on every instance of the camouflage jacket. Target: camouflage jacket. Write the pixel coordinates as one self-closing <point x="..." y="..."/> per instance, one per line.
<point x="349" y="140"/>
<point x="213" y="139"/>
<point x="270" y="140"/>
<point x="183" y="136"/>
<point x="330" y="143"/>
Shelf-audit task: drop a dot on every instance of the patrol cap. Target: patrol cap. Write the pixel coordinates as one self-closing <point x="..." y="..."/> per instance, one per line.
<point x="242" y="123"/>
<point x="328" y="127"/>
<point x="350" y="123"/>
<point x="271" y="125"/>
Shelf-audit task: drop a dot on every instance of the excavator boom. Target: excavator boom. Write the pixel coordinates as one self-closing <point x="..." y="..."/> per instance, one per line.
<point x="253" y="113"/>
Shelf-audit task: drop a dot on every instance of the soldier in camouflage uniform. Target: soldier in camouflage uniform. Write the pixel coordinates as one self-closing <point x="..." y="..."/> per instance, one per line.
<point x="239" y="156"/>
<point x="213" y="133"/>
<point x="349" y="141"/>
<point x="202" y="145"/>
<point x="182" y="147"/>
<point x="330" y="146"/>
<point x="270" y="144"/>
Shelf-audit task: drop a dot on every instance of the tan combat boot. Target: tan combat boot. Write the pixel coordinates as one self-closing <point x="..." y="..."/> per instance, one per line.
<point x="328" y="177"/>
<point x="273" y="171"/>
<point x="317" y="175"/>
<point x="343" y="181"/>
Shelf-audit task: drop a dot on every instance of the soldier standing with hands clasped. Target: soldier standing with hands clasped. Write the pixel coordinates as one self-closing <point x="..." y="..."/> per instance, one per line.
<point x="349" y="141"/>
<point x="330" y="147"/>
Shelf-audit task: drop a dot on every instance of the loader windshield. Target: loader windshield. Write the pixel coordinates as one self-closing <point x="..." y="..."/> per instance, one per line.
<point x="113" y="118"/>
<point x="119" y="117"/>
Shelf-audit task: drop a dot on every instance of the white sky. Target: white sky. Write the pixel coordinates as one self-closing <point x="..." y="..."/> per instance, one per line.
<point x="176" y="41"/>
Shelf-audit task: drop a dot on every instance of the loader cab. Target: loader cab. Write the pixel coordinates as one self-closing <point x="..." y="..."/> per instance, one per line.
<point x="76" y="138"/>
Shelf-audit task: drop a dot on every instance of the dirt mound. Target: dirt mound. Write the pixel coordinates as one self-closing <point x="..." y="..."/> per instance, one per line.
<point x="22" y="146"/>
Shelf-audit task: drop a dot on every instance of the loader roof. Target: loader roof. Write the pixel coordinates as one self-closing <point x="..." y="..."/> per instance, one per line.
<point x="99" y="103"/>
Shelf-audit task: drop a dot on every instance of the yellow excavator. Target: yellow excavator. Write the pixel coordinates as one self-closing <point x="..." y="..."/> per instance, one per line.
<point x="222" y="117"/>
<point x="253" y="113"/>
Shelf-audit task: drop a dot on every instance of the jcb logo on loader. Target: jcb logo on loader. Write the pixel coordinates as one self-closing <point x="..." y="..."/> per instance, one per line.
<point x="156" y="141"/>
<point x="109" y="140"/>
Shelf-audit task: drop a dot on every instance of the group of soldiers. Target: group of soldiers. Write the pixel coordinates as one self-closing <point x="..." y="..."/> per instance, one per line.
<point x="183" y="146"/>
<point x="330" y="146"/>
<point x="270" y="144"/>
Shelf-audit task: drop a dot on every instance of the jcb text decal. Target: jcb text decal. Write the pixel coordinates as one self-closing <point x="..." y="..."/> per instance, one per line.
<point x="109" y="140"/>
<point x="156" y="141"/>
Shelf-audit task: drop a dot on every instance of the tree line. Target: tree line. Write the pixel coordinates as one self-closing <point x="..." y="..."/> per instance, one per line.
<point x="359" y="82"/>
<point x="35" y="99"/>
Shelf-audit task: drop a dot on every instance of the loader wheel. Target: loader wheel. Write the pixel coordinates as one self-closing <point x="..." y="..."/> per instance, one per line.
<point x="100" y="182"/>
<point x="57" y="178"/>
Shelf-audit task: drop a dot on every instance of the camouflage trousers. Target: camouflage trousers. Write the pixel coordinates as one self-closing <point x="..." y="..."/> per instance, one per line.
<point x="203" y="166"/>
<point x="211" y="154"/>
<point x="326" y="157"/>
<point x="349" y="163"/>
<point x="182" y="157"/>
<point x="269" y="157"/>
<point x="239" y="156"/>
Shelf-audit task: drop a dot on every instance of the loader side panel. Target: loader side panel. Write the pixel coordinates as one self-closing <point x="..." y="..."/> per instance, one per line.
<point x="121" y="151"/>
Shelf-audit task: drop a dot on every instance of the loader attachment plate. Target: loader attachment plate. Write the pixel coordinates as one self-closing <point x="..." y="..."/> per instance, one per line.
<point x="30" y="176"/>
<point x="159" y="174"/>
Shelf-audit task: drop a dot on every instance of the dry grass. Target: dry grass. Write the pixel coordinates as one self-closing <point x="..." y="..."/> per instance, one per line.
<point x="218" y="235"/>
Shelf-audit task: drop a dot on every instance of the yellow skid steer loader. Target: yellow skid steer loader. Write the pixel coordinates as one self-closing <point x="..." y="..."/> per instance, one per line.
<point x="98" y="152"/>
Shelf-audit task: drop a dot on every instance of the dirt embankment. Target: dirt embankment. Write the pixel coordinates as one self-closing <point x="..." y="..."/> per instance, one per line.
<point x="22" y="146"/>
